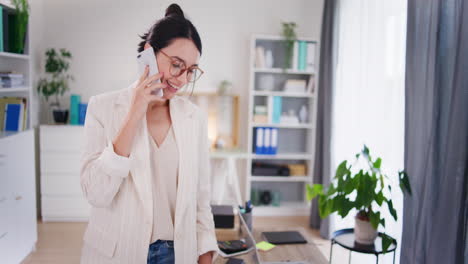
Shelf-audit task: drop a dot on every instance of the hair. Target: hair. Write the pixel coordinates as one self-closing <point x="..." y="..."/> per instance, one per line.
<point x="173" y="25"/>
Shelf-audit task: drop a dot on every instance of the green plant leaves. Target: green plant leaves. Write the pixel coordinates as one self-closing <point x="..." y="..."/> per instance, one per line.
<point x="350" y="190"/>
<point x="386" y="242"/>
<point x="391" y="209"/>
<point x="377" y="163"/>
<point x="404" y="182"/>
<point x="313" y="191"/>
<point x="379" y="198"/>
<point x="56" y="67"/>
<point x="374" y="218"/>
<point x="342" y="170"/>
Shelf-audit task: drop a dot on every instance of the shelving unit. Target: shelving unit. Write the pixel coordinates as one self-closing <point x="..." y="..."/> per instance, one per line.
<point x="18" y="218"/>
<point x="295" y="141"/>
<point x="19" y="63"/>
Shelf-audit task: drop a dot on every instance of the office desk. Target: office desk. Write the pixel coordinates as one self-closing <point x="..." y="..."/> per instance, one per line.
<point x="293" y="252"/>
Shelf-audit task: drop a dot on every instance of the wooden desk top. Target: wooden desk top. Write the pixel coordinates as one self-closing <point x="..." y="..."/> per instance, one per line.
<point x="294" y="252"/>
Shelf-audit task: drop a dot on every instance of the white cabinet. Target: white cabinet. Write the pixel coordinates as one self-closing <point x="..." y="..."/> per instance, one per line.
<point x="18" y="219"/>
<point x="61" y="196"/>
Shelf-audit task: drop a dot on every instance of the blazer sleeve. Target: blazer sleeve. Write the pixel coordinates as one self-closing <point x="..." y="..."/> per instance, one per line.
<point x="102" y="170"/>
<point x="206" y="236"/>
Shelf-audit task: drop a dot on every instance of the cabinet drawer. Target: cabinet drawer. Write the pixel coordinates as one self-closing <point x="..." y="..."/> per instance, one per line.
<point x="71" y="208"/>
<point x="60" y="184"/>
<point x="56" y="162"/>
<point x="61" y="138"/>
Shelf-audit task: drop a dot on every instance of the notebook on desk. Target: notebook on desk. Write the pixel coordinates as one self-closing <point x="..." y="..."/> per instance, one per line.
<point x="286" y="237"/>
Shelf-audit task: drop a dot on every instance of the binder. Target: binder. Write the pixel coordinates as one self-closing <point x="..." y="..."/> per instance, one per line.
<point x="295" y="55"/>
<point x="310" y="53"/>
<point x="274" y="141"/>
<point x="259" y="140"/>
<point x="277" y="108"/>
<point x="267" y="140"/>
<point x="12" y="117"/>
<point x="1" y="28"/>
<point x="74" y="109"/>
<point x="11" y="100"/>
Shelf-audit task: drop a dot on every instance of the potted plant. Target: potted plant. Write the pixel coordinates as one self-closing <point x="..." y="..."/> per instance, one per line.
<point x="56" y="81"/>
<point x="289" y="34"/>
<point x="20" y="25"/>
<point x="366" y="190"/>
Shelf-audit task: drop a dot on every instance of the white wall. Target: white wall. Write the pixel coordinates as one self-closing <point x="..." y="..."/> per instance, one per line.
<point x="103" y="36"/>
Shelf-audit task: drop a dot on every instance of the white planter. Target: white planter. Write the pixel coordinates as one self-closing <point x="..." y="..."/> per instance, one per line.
<point x="364" y="233"/>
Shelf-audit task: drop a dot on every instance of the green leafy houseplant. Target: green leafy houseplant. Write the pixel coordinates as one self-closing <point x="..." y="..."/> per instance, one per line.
<point x="21" y="24"/>
<point x="56" y="81"/>
<point x="289" y="34"/>
<point x="366" y="191"/>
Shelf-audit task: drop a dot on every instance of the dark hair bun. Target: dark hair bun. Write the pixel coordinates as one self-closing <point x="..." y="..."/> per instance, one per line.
<point x="174" y="10"/>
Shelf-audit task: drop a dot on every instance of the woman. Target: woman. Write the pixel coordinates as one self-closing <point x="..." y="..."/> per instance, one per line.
<point x="145" y="164"/>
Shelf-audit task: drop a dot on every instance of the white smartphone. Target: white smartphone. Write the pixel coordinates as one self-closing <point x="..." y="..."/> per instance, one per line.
<point x="146" y="57"/>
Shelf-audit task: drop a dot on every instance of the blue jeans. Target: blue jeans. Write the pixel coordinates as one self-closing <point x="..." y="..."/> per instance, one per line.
<point x="161" y="252"/>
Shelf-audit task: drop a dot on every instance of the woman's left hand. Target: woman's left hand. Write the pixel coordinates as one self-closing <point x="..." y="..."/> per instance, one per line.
<point x="205" y="258"/>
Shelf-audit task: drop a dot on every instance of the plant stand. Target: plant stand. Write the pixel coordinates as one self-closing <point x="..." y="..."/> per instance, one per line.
<point x="345" y="238"/>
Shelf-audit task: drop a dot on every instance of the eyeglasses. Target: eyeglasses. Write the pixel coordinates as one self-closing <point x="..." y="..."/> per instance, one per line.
<point x="178" y="67"/>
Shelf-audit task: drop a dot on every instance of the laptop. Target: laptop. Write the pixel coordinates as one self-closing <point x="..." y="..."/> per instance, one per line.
<point x="250" y="241"/>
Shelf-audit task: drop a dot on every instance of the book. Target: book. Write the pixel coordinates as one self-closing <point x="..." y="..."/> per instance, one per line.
<point x="302" y="55"/>
<point x="1" y="28"/>
<point x="310" y="53"/>
<point x="11" y="100"/>
<point x="260" y="57"/>
<point x="6" y="46"/>
<point x="74" y="109"/>
<point x="295" y="55"/>
<point x="12" y="117"/>
<point x="277" y="108"/>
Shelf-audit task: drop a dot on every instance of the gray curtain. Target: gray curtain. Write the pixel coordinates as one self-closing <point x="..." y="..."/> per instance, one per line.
<point x="436" y="132"/>
<point x="324" y="108"/>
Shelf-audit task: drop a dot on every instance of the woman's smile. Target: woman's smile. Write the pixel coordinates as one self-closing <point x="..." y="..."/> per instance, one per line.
<point x="171" y="87"/>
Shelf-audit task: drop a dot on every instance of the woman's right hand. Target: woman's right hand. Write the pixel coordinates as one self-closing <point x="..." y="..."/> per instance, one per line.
<point x="140" y="100"/>
<point x="142" y="94"/>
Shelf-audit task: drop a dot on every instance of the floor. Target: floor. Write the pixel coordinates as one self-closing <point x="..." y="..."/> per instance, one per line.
<point x="61" y="242"/>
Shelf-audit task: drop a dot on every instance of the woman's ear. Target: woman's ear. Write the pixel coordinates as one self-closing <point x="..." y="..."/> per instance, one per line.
<point x="147" y="45"/>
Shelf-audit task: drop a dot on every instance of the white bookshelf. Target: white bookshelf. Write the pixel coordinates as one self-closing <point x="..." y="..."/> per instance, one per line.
<point x="295" y="141"/>
<point x="20" y="63"/>
<point x="18" y="218"/>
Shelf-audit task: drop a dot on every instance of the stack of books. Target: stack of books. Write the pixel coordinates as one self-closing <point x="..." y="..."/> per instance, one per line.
<point x="11" y="79"/>
<point x="265" y="140"/>
<point x="13" y="113"/>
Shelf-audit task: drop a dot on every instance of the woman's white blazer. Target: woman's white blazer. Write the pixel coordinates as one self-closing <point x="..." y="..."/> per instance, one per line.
<point x="119" y="188"/>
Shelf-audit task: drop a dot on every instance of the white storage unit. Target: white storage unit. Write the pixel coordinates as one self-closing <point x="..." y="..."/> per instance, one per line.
<point x="18" y="219"/>
<point x="295" y="141"/>
<point x="61" y="196"/>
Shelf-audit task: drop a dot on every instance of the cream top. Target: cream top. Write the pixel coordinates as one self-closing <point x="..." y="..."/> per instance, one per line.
<point x="164" y="184"/>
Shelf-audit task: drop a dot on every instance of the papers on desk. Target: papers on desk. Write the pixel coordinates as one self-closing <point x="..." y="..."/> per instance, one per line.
<point x="265" y="246"/>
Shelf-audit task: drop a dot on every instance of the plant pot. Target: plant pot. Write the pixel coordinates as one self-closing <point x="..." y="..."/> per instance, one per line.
<point x="60" y="116"/>
<point x="364" y="233"/>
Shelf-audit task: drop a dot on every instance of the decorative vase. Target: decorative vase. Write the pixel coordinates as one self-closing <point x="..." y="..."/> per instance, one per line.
<point x="60" y="116"/>
<point x="269" y="59"/>
<point x="364" y="233"/>
<point x="303" y="114"/>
